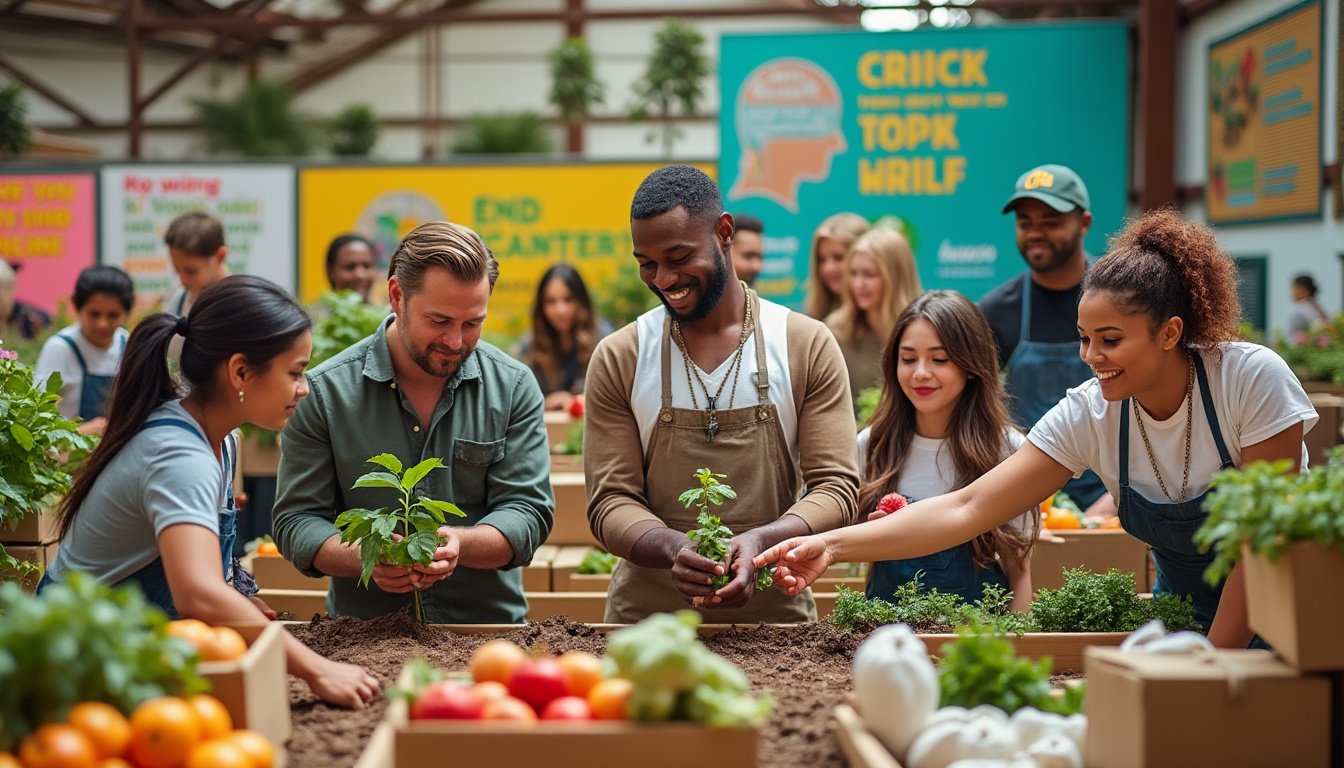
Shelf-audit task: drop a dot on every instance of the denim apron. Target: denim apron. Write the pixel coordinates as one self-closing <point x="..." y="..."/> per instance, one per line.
<point x="951" y="571"/>
<point x="152" y="579"/>
<point x="1170" y="528"/>
<point x="93" y="388"/>
<point x="1038" y="375"/>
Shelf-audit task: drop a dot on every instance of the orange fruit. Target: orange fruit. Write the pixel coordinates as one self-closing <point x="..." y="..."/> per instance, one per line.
<point x="218" y="753"/>
<point x="163" y="731"/>
<point x="490" y="690"/>
<point x="225" y="644"/>
<point x="495" y="660"/>
<point x="610" y="699"/>
<point x="194" y="631"/>
<point x="1111" y="522"/>
<point x="509" y="708"/>
<point x="114" y="762"/>
<point x="268" y="549"/>
<point x="58" y="746"/>
<point x="582" y="671"/>
<point x="1062" y="519"/>
<point x="257" y="747"/>
<point x="106" y="727"/>
<point x="8" y="760"/>
<point x="211" y="715"/>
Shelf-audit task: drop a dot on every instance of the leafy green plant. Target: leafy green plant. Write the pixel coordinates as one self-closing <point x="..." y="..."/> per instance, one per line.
<point x="573" y="445"/>
<point x="504" y="133"/>
<point x="712" y="537"/>
<point x="16" y="136"/>
<point x="342" y="319"/>
<point x="1318" y="354"/>
<point x="260" y="122"/>
<point x="866" y="404"/>
<point x="405" y="536"/>
<point x="82" y="640"/>
<point x="1266" y="508"/>
<point x="354" y="131"/>
<point x="1106" y="602"/>
<point x="595" y="562"/>
<point x="979" y="667"/>
<point x="626" y="297"/>
<point x="928" y="610"/>
<point x="673" y="81"/>
<point x="37" y="446"/>
<point x="575" y="89"/>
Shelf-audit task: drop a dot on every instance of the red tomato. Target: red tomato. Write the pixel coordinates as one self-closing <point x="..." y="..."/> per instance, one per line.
<point x="567" y="708"/>
<point x="446" y="700"/>
<point x="538" y="682"/>
<point x="510" y="709"/>
<point x="582" y="671"/>
<point x="576" y="407"/>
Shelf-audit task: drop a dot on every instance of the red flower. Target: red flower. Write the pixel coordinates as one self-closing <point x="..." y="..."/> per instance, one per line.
<point x="891" y="502"/>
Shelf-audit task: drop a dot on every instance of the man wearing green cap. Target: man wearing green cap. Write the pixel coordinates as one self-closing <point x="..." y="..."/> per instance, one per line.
<point x="1035" y="317"/>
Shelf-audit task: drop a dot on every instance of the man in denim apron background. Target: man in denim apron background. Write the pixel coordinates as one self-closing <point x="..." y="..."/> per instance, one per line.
<point x="1035" y="316"/>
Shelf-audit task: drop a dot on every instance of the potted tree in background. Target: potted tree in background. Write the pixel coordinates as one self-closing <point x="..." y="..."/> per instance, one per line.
<point x="15" y="133"/>
<point x="575" y="89"/>
<point x="673" y="83"/>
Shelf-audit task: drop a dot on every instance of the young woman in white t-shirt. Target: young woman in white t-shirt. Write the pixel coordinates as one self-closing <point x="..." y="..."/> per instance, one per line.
<point x="942" y="423"/>
<point x="1176" y="397"/>
<point x="152" y="506"/>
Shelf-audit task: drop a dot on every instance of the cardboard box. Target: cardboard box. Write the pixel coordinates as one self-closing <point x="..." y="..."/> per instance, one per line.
<point x="1326" y="434"/>
<point x="587" y="607"/>
<point x="1228" y="708"/>
<point x="42" y="554"/>
<point x="861" y="748"/>
<point x="571" y="511"/>
<point x="419" y="743"/>
<point x="275" y="572"/>
<point x="41" y="528"/>
<point x="537" y="574"/>
<point x="1297" y="605"/>
<point x="558" y="424"/>
<point x="1095" y="550"/>
<point x="255" y="688"/>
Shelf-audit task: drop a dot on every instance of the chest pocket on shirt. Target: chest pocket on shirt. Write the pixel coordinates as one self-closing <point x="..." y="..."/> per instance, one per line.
<point x="471" y="459"/>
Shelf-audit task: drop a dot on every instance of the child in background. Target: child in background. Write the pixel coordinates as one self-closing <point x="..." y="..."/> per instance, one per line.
<point x="941" y="424"/>
<point x="86" y="354"/>
<point x="195" y="243"/>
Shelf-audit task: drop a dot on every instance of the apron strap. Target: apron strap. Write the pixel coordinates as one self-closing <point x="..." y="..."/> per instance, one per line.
<point x="667" y="363"/>
<point x="1124" y="443"/>
<point x="1024" y="330"/>
<point x="83" y="366"/>
<point x="181" y="303"/>
<point x="762" y="370"/>
<point x="1206" y="398"/>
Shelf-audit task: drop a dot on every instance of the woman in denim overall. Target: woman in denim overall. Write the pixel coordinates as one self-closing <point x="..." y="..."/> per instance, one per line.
<point x="153" y="506"/>
<point x="942" y="408"/>
<point x="1176" y="398"/>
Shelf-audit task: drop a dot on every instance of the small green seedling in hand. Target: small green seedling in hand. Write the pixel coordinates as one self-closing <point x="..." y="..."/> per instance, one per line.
<point x="712" y="537"/>
<point x="416" y="523"/>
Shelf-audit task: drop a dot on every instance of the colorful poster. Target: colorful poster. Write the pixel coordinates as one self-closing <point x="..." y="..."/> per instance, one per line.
<point x="254" y="203"/>
<point x="531" y="216"/>
<point x="46" y="234"/>
<point x="927" y="131"/>
<point x="1264" y="120"/>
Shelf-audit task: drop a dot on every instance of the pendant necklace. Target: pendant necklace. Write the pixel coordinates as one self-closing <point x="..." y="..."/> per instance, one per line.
<point x="734" y="368"/>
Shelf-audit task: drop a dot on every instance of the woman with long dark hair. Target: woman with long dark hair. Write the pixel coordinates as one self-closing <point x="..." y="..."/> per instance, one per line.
<point x="564" y="332"/>
<point x="154" y="505"/>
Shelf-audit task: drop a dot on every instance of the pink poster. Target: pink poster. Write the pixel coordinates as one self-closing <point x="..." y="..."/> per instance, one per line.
<point x="46" y="233"/>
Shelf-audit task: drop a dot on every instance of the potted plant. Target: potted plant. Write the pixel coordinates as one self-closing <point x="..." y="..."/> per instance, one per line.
<point x="1288" y="530"/>
<point x="673" y="83"/>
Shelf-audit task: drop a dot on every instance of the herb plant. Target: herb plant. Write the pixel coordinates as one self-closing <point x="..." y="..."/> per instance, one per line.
<point x="573" y="445"/>
<point x="405" y="536"/>
<point x="595" y="561"/>
<point x="1266" y="509"/>
<point x="712" y="537"/>
<point x="1106" y="602"/>
<point x="82" y="640"/>
<point x="979" y="667"/>
<point x="928" y="610"/>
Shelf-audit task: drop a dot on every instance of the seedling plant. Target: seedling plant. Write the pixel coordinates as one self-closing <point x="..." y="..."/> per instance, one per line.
<point x="712" y="536"/>
<point x="407" y="535"/>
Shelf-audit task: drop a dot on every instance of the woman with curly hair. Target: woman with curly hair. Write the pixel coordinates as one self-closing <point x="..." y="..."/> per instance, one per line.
<point x="1175" y="398"/>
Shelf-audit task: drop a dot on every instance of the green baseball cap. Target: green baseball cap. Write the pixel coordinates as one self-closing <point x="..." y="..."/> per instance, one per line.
<point x="1055" y="185"/>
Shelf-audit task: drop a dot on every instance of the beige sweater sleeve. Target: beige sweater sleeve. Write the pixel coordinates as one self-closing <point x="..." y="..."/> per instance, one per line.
<point x="613" y="455"/>
<point x="826" y="428"/>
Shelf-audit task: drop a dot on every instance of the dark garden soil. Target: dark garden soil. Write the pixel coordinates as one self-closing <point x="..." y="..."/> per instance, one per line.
<point x="807" y="667"/>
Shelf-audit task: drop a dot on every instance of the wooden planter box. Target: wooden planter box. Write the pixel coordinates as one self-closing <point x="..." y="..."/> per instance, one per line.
<point x="558" y="424"/>
<point x="567" y="462"/>
<point x="1095" y="550"/>
<point x="587" y="607"/>
<point x="565" y="579"/>
<point x="861" y="748"/>
<point x="255" y="688"/>
<point x="1297" y="605"/>
<point x="42" y="554"/>
<point x="275" y="572"/>
<point x="36" y="529"/>
<point x="571" y="511"/>
<point x="400" y="742"/>
<point x="1326" y="434"/>
<point x="302" y="604"/>
<point x="537" y="574"/>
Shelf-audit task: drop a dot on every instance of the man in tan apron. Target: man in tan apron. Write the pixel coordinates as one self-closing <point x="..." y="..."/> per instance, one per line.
<point x="717" y="378"/>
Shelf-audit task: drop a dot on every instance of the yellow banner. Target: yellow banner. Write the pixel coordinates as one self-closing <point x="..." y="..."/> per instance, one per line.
<point x="1264" y="120"/>
<point x="531" y="216"/>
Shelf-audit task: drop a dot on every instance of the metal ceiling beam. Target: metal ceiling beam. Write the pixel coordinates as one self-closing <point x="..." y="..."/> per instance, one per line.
<point x="50" y="94"/>
<point x="201" y="56"/>
<point x="105" y="30"/>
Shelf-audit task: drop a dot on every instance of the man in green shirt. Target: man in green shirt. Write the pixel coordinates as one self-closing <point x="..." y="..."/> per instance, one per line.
<point x="424" y="385"/>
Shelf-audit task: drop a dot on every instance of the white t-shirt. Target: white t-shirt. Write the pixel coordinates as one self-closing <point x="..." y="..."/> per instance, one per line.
<point x="1255" y="396"/>
<point x="163" y="476"/>
<point x="58" y="357"/>
<point x="929" y="470"/>
<point x="646" y="393"/>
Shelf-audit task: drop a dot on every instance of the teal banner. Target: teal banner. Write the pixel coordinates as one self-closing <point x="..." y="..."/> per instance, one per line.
<point x="926" y="130"/>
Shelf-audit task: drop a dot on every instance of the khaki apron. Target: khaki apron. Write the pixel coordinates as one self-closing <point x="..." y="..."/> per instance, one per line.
<point x="750" y="448"/>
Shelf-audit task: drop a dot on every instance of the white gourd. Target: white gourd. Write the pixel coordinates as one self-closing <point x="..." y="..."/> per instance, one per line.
<point x="1178" y="643"/>
<point x="1149" y="632"/>
<point x="896" y="686"/>
<point x="1075" y="727"/>
<point x="1055" y="751"/>
<point x="983" y="736"/>
<point x="1032" y="724"/>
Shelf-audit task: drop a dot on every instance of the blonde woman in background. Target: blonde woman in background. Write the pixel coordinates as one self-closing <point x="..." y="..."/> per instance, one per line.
<point x="880" y="282"/>
<point x="830" y="244"/>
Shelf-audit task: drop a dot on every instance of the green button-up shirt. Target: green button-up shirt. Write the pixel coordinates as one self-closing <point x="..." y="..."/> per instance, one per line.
<point x="487" y="428"/>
